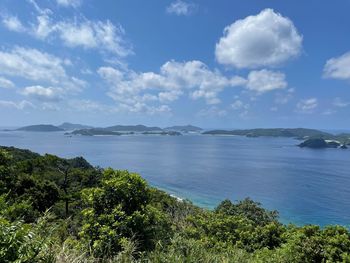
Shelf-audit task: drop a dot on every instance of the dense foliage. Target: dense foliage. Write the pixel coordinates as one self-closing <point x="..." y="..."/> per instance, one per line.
<point x="65" y="210"/>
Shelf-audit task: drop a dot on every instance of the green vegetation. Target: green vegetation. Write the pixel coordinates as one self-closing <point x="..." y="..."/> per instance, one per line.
<point x="299" y="133"/>
<point x="94" y="132"/>
<point x="185" y="128"/>
<point x="170" y="133"/>
<point x="321" y="143"/>
<point x="132" y="128"/>
<point x="67" y="126"/>
<point x="40" y="128"/>
<point x="65" y="210"/>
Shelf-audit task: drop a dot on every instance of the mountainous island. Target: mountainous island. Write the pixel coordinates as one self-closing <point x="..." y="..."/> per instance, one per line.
<point x="66" y="210"/>
<point x="67" y="126"/>
<point x="40" y="128"/>
<point x="318" y="143"/>
<point x="94" y="132"/>
<point x="299" y="133"/>
<point x="170" y="133"/>
<point x="312" y="138"/>
<point x="125" y="130"/>
<point x="185" y="128"/>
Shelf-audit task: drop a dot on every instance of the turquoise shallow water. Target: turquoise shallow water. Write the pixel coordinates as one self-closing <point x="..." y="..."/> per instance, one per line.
<point x="304" y="185"/>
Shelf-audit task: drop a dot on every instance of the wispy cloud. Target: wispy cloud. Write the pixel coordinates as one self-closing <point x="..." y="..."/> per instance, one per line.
<point x="69" y="3"/>
<point x="338" y="68"/>
<point x="21" y="105"/>
<point x="12" y="23"/>
<point x="307" y="105"/>
<point x="34" y="65"/>
<point x="6" y="83"/>
<point x="43" y="94"/>
<point x="180" y="7"/>
<point x="340" y="103"/>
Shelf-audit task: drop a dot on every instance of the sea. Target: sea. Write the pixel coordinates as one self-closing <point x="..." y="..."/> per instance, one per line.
<point x="305" y="186"/>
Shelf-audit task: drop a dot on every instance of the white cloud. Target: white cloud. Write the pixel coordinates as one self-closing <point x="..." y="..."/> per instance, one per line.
<point x="32" y="64"/>
<point x="338" y="68"/>
<point x="77" y="32"/>
<point x="16" y="105"/>
<point x="43" y="28"/>
<point x="267" y="39"/>
<point x="136" y="90"/>
<point x="174" y="79"/>
<point x="180" y="8"/>
<point x="307" y="105"/>
<point x="42" y="11"/>
<point x="12" y="23"/>
<point x="239" y="105"/>
<point x="6" y="84"/>
<point x="43" y="94"/>
<point x="338" y="102"/>
<point x="266" y="80"/>
<point x="69" y="3"/>
<point x="104" y="36"/>
<point x="169" y="96"/>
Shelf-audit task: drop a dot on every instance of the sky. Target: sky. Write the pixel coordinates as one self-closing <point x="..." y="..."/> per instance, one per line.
<point x="215" y="64"/>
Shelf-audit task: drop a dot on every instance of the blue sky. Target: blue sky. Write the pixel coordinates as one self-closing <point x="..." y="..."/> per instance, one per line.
<point x="227" y="63"/>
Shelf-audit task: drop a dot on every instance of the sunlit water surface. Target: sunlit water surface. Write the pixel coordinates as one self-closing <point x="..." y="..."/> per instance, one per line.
<point x="304" y="185"/>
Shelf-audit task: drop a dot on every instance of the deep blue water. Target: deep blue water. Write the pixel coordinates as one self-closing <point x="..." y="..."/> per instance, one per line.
<point x="304" y="185"/>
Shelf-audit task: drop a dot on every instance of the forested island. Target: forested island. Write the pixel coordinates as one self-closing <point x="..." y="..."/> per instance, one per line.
<point x="116" y="130"/>
<point x="40" y="128"/>
<point x="185" y="128"/>
<point x="299" y="133"/>
<point x="318" y="143"/>
<point x="312" y="138"/>
<point x="65" y="210"/>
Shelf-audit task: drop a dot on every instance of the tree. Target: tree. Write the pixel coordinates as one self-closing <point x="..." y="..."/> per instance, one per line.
<point x="119" y="209"/>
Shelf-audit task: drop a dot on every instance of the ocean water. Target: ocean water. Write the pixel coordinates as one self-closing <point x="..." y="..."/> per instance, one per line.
<point x="306" y="186"/>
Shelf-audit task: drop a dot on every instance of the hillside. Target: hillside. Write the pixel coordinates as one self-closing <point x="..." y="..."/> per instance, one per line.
<point x="132" y="128"/>
<point x="119" y="130"/>
<point x="299" y="133"/>
<point x="185" y="128"/>
<point x="65" y="210"/>
<point x="94" y="132"/>
<point x="67" y="126"/>
<point x="40" y="128"/>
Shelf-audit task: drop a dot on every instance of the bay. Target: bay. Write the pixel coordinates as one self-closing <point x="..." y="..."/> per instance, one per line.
<point x="306" y="186"/>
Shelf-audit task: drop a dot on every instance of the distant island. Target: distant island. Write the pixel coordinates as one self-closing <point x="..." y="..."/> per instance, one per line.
<point x="315" y="139"/>
<point x="40" y="128"/>
<point x="317" y="143"/>
<point x="93" y="132"/>
<point x="170" y="133"/>
<point x="132" y="128"/>
<point x="67" y="126"/>
<point x="135" y="129"/>
<point x="312" y="138"/>
<point x="299" y="133"/>
<point x="185" y="128"/>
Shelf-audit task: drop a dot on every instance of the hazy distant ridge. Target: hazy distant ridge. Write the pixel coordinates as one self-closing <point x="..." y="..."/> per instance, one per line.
<point x="40" y="128"/>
